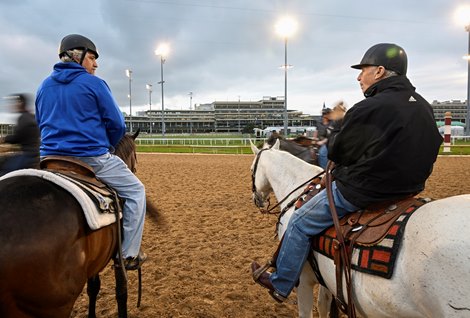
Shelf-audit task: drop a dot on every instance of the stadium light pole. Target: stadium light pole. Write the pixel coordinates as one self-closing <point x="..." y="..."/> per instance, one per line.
<point x="129" y="75"/>
<point x="462" y="15"/>
<point x="239" y="130"/>
<point x="162" y="51"/>
<point x="149" y="88"/>
<point x="286" y="27"/>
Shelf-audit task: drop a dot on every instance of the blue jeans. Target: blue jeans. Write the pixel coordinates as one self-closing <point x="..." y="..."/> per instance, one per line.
<point x="114" y="172"/>
<point x="323" y="156"/>
<point x="310" y="220"/>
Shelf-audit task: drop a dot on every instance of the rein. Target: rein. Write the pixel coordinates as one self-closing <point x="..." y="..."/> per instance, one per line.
<point x="342" y="257"/>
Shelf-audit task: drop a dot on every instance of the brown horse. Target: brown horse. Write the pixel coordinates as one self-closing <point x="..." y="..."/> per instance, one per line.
<point x="301" y="147"/>
<point x="47" y="250"/>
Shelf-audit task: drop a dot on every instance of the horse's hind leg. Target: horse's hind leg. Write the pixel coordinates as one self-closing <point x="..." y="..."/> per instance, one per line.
<point x="93" y="288"/>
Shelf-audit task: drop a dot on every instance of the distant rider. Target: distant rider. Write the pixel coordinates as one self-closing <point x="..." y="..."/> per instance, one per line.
<point x="25" y="134"/>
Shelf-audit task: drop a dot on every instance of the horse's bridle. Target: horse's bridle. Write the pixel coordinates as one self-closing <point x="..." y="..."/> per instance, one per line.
<point x="257" y="197"/>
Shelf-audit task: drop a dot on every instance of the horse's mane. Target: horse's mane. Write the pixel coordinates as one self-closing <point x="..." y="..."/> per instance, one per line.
<point x="125" y="146"/>
<point x="126" y="150"/>
<point x="272" y="139"/>
<point x="301" y="138"/>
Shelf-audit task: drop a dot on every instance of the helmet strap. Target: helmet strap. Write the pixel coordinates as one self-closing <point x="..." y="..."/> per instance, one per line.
<point x="68" y="55"/>
<point x="83" y="56"/>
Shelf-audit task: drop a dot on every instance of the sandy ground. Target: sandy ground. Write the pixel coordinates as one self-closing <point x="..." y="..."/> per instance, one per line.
<point x="207" y="233"/>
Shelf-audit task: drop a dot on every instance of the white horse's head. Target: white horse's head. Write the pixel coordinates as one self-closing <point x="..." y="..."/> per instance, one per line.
<point x="261" y="187"/>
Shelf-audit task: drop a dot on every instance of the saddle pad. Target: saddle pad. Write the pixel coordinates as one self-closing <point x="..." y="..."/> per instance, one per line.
<point x="377" y="259"/>
<point x="94" y="217"/>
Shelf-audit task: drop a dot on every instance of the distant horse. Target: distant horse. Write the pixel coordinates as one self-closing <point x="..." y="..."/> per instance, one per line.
<point x="432" y="270"/>
<point x="301" y="147"/>
<point x="47" y="250"/>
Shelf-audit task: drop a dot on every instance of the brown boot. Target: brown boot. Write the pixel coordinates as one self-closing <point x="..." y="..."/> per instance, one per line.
<point x="261" y="277"/>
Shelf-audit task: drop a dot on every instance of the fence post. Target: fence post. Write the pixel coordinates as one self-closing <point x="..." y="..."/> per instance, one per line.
<point x="447" y="131"/>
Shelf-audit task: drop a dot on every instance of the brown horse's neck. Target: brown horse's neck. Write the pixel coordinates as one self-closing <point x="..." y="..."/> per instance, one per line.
<point x="126" y="150"/>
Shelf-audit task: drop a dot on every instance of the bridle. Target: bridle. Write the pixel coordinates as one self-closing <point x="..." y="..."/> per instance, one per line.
<point x="258" y="198"/>
<point x="256" y="195"/>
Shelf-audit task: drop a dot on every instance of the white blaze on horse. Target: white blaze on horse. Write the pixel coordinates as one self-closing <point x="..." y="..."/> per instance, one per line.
<point x="431" y="277"/>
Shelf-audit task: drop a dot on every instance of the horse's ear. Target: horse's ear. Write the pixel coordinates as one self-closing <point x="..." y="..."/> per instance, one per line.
<point x="277" y="144"/>
<point x="254" y="148"/>
<point x="134" y="136"/>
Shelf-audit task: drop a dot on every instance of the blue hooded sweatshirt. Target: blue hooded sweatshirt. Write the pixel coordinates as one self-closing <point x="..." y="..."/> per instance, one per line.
<point x="76" y="114"/>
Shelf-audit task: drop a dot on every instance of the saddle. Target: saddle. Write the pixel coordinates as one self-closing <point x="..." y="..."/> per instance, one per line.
<point x="82" y="174"/>
<point x="369" y="226"/>
<point x="365" y="227"/>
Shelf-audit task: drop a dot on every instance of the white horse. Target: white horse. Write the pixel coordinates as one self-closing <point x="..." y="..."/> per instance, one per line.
<point x="432" y="271"/>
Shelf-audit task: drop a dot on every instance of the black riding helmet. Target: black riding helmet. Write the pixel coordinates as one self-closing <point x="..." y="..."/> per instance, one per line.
<point x="77" y="41"/>
<point x="388" y="55"/>
<point x="325" y="111"/>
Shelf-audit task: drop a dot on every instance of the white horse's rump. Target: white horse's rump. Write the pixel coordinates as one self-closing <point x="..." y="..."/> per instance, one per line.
<point x="432" y="270"/>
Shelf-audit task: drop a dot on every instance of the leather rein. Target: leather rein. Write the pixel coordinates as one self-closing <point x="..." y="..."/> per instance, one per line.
<point x="269" y="210"/>
<point x="342" y="256"/>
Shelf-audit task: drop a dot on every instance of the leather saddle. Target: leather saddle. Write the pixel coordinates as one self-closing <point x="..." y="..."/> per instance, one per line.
<point x="370" y="226"/>
<point x="83" y="175"/>
<point x="367" y="226"/>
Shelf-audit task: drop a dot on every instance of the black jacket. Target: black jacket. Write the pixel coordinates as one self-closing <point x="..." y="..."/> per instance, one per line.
<point x="387" y="144"/>
<point x="26" y="133"/>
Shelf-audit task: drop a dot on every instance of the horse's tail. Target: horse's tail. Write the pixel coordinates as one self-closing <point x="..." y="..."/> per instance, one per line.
<point x="152" y="211"/>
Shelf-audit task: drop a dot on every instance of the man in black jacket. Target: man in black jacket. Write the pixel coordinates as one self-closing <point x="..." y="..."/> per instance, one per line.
<point x="388" y="141"/>
<point x="25" y="134"/>
<point x="384" y="150"/>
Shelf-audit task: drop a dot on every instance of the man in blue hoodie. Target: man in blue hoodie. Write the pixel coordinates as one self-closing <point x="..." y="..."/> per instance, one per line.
<point x="78" y="117"/>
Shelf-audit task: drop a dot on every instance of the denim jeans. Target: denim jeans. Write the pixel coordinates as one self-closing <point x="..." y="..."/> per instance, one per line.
<point x="310" y="220"/>
<point x="323" y="156"/>
<point x="114" y="172"/>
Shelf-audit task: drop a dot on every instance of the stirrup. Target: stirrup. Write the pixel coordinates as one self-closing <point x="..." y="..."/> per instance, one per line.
<point x="257" y="273"/>
<point x="277" y="297"/>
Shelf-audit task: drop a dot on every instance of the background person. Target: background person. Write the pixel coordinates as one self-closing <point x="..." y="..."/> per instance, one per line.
<point x="25" y="134"/>
<point x="372" y="152"/>
<point x="331" y="120"/>
<point x="78" y="117"/>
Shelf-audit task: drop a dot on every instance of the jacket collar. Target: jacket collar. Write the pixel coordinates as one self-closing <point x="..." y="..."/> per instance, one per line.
<point x="399" y="82"/>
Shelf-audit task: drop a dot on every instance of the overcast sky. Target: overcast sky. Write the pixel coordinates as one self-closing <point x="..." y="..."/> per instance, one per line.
<point x="225" y="50"/>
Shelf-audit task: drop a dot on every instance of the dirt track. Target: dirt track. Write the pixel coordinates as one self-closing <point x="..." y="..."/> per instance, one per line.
<point x="208" y="232"/>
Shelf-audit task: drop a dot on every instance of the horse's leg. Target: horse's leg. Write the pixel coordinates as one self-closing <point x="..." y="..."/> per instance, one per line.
<point x="305" y="292"/>
<point x="92" y="289"/>
<point x="305" y="298"/>
<point x="121" y="289"/>
<point x="325" y="304"/>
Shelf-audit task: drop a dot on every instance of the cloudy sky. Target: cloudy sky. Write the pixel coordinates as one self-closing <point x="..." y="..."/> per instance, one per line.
<point x="225" y="50"/>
